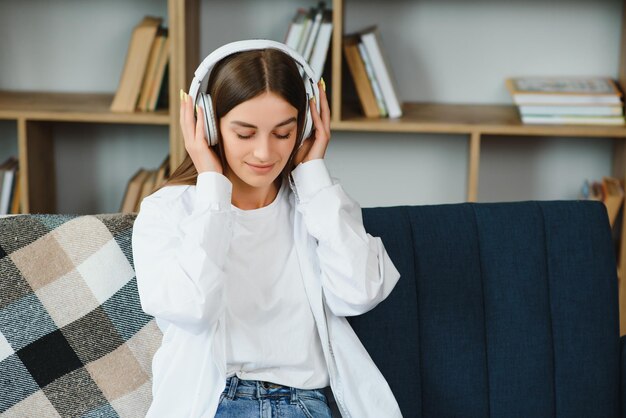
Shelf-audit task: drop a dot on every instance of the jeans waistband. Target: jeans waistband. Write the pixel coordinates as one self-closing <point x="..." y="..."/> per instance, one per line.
<point x="258" y="389"/>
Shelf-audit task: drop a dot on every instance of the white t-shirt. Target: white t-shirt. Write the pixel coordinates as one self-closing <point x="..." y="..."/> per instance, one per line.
<point x="270" y="329"/>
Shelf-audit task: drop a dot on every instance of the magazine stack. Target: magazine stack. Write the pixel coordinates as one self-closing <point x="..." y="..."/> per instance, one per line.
<point x="567" y="100"/>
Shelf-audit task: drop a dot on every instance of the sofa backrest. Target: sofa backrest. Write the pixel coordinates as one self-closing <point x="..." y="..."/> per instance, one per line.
<point x="503" y="309"/>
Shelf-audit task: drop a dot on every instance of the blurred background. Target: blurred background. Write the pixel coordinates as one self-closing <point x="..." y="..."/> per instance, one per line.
<point x="445" y="51"/>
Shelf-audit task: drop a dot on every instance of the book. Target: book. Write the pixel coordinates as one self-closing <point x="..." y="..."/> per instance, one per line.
<point x="613" y="193"/>
<point x="296" y="29"/>
<point x="160" y="83"/>
<point x="137" y="57"/>
<point x="17" y="195"/>
<point x="573" y="120"/>
<point x="372" y="41"/>
<point x="362" y="83"/>
<point x="563" y="90"/>
<point x="151" y="69"/>
<point x="8" y="169"/>
<point x="307" y="26"/>
<point x="571" y="110"/>
<point x="163" y="173"/>
<point x="133" y="190"/>
<point x="380" y="100"/>
<point x="315" y="27"/>
<point x="146" y="188"/>
<point x="319" y="54"/>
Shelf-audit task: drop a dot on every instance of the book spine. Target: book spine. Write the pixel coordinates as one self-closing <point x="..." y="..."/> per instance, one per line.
<point x="383" y="77"/>
<point x="382" y="106"/>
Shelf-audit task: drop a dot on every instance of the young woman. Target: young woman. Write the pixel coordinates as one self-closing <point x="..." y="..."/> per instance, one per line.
<point x="251" y="256"/>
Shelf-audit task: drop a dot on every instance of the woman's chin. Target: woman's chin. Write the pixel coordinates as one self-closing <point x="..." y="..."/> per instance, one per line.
<point x="260" y="181"/>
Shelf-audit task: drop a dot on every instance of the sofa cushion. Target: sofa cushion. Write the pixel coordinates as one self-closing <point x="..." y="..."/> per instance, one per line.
<point x="74" y="340"/>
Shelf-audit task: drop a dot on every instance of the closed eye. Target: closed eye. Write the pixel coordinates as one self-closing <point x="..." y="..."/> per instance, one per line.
<point x="277" y="136"/>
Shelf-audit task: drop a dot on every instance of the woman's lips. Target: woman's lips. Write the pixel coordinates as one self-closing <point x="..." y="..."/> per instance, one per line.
<point x="261" y="169"/>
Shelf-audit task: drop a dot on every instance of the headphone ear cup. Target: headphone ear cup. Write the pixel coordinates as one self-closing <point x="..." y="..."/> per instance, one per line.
<point x="308" y="122"/>
<point x="210" y="129"/>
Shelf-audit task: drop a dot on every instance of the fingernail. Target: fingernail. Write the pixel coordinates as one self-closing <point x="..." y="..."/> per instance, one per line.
<point x="197" y="109"/>
<point x="323" y="83"/>
<point x="181" y="95"/>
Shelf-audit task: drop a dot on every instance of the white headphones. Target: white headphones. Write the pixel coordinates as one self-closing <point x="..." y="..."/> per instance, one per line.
<point x="201" y="80"/>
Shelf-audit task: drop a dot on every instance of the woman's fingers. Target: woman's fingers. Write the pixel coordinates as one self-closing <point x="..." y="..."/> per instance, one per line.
<point x="199" y="125"/>
<point x="319" y="125"/>
<point x="325" y="109"/>
<point x="189" y="116"/>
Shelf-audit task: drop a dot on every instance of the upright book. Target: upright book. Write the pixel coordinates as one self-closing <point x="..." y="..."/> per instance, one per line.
<point x="362" y="83"/>
<point x="137" y="59"/>
<point x="7" y="185"/>
<point x="159" y="86"/>
<point x="372" y="42"/>
<point x="322" y="44"/>
<point x="133" y="191"/>
<point x="150" y="76"/>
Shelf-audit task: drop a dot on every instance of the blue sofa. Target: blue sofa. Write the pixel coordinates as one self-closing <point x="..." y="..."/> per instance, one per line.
<point x="502" y="310"/>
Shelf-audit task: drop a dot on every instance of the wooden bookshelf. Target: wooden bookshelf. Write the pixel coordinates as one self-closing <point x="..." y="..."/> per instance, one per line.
<point x="35" y="113"/>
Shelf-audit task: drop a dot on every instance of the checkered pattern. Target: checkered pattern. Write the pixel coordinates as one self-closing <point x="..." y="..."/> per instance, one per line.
<point x="74" y="341"/>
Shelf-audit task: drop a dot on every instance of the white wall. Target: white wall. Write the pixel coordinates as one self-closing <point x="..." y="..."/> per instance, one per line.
<point x="445" y="51"/>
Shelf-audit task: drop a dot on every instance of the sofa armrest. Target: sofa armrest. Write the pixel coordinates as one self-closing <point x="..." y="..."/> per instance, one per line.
<point x="622" y="382"/>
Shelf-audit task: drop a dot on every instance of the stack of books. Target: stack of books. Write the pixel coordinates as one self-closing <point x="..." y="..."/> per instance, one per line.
<point x="143" y="183"/>
<point x="9" y="187"/>
<point x="610" y="191"/>
<point x="143" y="84"/>
<point x="370" y="70"/>
<point x="309" y="33"/>
<point x="549" y="100"/>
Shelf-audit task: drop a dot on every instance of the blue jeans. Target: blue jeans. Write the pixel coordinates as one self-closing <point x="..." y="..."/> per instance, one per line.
<point x="255" y="398"/>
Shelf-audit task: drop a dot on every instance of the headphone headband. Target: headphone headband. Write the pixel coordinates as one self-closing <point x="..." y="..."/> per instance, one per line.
<point x="202" y="73"/>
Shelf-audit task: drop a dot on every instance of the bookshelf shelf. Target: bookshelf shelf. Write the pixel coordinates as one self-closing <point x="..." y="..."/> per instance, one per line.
<point x="465" y="119"/>
<point x="72" y="107"/>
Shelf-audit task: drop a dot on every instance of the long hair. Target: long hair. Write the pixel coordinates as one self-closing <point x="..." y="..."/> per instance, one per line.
<point x="238" y="78"/>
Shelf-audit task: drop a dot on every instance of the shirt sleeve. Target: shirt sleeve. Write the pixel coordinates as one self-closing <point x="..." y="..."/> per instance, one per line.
<point x="179" y="259"/>
<point x="356" y="271"/>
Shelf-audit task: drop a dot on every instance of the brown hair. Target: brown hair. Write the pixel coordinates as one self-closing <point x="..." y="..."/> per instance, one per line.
<point x="243" y="76"/>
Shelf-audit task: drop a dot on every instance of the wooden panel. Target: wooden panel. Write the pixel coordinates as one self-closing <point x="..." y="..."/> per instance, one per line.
<point x="473" y="167"/>
<point x="36" y="157"/>
<point x="71" y="107"/>
<point x="184" y="27"/>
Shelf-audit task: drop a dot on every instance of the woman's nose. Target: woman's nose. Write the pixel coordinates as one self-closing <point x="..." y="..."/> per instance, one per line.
<point x="262" y="150"/>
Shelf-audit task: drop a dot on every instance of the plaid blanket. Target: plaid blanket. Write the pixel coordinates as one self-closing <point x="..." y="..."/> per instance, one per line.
<point x="74" y="341"/>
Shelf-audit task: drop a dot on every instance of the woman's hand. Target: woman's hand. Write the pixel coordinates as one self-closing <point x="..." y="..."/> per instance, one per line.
<point x="314" y="147"/>
<point x="203" y="157"/>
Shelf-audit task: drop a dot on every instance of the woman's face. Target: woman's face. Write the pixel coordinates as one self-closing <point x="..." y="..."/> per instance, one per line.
<point x="258" y="137"/>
